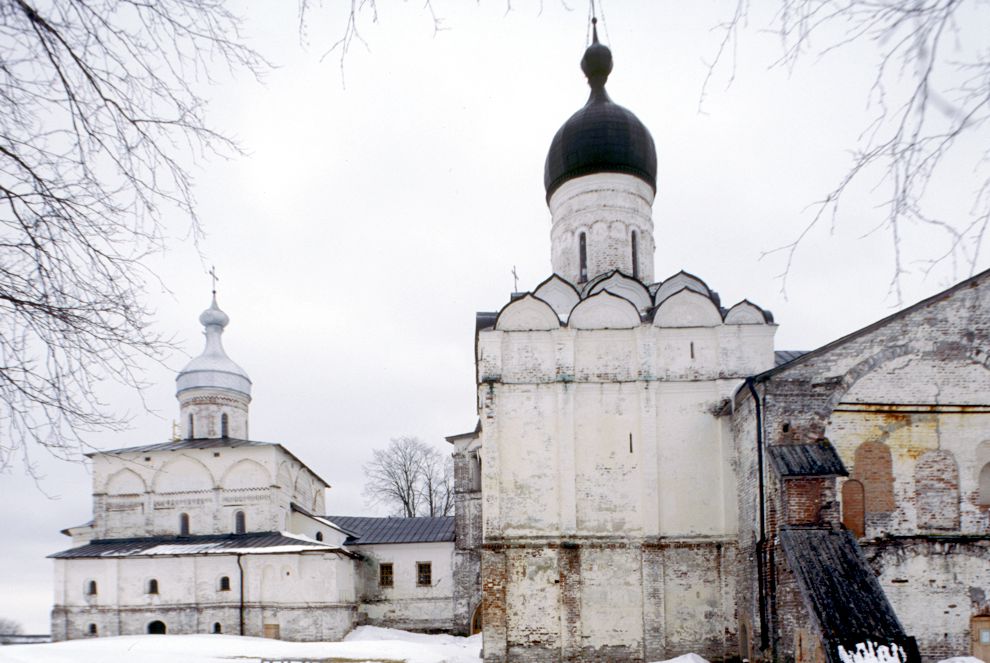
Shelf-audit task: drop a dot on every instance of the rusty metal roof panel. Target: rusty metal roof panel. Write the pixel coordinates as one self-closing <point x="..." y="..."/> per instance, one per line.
<point x="396" y="530"/>
<point x="815" y="459"/>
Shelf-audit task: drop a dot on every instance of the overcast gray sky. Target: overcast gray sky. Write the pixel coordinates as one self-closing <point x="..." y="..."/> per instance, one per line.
<point x="368" y="223"/>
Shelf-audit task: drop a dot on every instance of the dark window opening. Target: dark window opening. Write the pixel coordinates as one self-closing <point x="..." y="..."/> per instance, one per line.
<point x="223" y="425"/>
<point x="240" y="524"/>
<point x="217" y="628"/>
<point x="183" y="524"/>
<point x="424" y="574"/>
<point x="635" y="256"/>
<point x="153" y="589"/>
<point x="91" y="629"/>
<point x="582" y="258"/>
<point x="192" y="431"/>
<point x="319" y="536"/>
<point x="385" y="577"/>
<point x="91" y="588"/>
<point x="225" y="584"/>
<point x="157" y="628"/>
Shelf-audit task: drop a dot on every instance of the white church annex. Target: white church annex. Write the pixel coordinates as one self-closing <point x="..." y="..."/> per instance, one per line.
<point x="216" y="533"/>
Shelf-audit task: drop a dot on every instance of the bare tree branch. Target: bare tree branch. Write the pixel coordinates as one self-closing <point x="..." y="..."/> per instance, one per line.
<point x="410" y="478"/>
<point x="931" y="88"/>
<point x="99" y="113"/>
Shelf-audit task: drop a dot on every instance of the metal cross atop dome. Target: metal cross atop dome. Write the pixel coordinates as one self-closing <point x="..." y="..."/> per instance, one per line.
<point x="213" y="275"/>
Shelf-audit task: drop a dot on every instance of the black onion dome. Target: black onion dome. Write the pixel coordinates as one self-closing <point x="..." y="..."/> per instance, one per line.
<point x="602" y="137"/>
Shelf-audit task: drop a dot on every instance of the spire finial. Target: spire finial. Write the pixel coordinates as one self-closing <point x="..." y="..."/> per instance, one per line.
<point x="213" y="275"/>
<point x="597" y="60"/>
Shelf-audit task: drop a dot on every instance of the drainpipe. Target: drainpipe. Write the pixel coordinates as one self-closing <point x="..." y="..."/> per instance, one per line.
<point x="240" y="568"/>
<point x="761" y="544"/>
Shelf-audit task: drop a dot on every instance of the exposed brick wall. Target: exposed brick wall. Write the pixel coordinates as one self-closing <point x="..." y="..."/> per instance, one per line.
<point x="873" y="468"/>
<point x="806" y="500"/>
<point x="936" y="485"/>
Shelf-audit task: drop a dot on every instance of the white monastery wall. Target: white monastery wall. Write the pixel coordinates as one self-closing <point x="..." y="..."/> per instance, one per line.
<point x="309" y="596"/>
<point x="407" y="604"/>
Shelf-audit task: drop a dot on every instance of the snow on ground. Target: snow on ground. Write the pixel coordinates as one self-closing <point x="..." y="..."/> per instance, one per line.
<point x="365" y="643"/>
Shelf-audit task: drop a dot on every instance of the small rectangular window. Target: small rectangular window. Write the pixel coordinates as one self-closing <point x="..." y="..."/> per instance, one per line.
<point x="424" y="574"/>
<point x="385" y="577"/>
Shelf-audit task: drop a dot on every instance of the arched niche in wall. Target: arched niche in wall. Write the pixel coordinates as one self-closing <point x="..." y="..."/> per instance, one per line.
<point x="745" y="313"/>
<point x="559" y="294"/>
<point x="853" y="507"/>
<point x="687" y="308"/>
<point x="182" y="475"/>
<point x="873" y="467"/>
<point x="936" y="491"/>
<point x="245" y="473"/>
<point x="527" y="314"/>
<point x="284" y="476"/>
<point x="678" y="282"/>
<point x="983" y="496"/>
<point x="125" y="482"/>
<point x="604" y="311"/>
<point x="626" y="287"/>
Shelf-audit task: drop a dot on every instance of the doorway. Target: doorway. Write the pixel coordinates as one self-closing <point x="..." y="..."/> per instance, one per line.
<point x="157" y="628"/>
<point x="476" y="620"/>
<point x="979" y="629"/>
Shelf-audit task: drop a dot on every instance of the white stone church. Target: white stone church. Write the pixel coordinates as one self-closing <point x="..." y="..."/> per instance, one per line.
<point x="648" y="476"/>
<point x="216" y="533"/>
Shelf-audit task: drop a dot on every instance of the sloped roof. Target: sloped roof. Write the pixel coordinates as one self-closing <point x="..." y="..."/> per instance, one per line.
<point x="395" y="530"/>
<point x="781" y="357"/>
<point x="222" y="544"/>
<point x="814" y="459"/>
<point x="179" y="445"/>
<point x="842" y="592"/>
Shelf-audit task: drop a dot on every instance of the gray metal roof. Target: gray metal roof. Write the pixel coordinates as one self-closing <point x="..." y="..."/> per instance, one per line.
<point x="815" y="459"/>
<point x="842" y="592"/>
<point x="178" y="445"/>
<point x="255" y="542"/>
<point x="395" y="530"/>
<point x="781" y="357"/>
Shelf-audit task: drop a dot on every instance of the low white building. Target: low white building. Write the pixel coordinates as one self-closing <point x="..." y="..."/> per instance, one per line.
<point x="216" y="533"/>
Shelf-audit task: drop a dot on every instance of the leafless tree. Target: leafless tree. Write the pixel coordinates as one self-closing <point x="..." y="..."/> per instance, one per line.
<point x="930" y="102"/>
<point x="410" y="478"/>
<point x="100" y="114"/>
<point x="9" y="626"/>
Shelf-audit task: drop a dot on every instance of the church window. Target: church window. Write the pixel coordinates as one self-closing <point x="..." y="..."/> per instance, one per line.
<point x="582" y="258"/>
<point x="224" y="425"/>
<point x="240" y="524"/>
<point x="319" y="536"/>
<point x="91" y="588"/>
<point x="152" y="587"/>
<point x="192" y="431"/>
<point x="217" y="628"/>
<point x="91" y="629"/>
<point x="984" y="499"/>
<point x="635" y="255"/>
<point x="424" y="574"/>
<point x="385" y="577"/>
<point x="183" y="524"/>
<point x="225" y="584"/>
